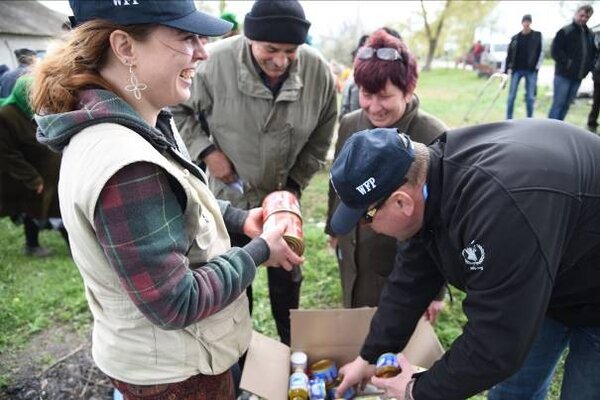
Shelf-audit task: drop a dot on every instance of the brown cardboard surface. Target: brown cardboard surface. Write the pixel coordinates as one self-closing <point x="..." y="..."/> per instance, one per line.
<point x="336" y="334"/>
<point x="267" y="369"/>
<point x="423" y="348"/>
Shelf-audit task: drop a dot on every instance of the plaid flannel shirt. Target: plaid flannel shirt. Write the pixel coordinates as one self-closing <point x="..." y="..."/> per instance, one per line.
<point x="139" y="223"/>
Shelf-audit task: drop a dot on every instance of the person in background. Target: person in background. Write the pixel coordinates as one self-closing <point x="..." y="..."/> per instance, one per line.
<point x="573" y="52"/>
<point x="28" y="170"/>
<point x="166" y="289"/>
<point x="3" y="69"/>
<point x="350" y="90"/>
<point x="506" y="212"/>
<point x="25" y="58"/>
<point x="386" y="76"/>
<point x="477" y="50"/>
<point x="523" y="59"/>
<point x="270" y="103"/>
<point x="592" y="123"/>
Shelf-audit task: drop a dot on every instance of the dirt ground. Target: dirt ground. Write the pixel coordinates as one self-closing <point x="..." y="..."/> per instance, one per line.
<point x="56" y="365"/>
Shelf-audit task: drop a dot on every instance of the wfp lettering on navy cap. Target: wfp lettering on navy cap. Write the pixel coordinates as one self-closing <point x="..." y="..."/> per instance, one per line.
<point x="179" y="14"/>
<point x="371" y="165"/>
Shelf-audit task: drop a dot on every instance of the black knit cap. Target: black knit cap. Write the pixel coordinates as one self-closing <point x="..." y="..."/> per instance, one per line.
<point x="277" y="21"/>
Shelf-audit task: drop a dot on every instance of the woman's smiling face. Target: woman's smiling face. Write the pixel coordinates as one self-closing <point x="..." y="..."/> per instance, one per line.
<point x="166" y="63"/>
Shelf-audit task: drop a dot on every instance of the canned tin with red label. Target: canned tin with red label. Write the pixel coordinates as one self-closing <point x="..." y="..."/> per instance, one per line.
<point x="283" y="207"/>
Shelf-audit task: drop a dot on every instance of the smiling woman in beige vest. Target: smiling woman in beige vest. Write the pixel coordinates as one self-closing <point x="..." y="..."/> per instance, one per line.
<point x="166" y="291"/>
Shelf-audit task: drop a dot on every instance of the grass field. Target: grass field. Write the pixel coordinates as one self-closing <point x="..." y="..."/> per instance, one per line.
<point x="38" y="293"/>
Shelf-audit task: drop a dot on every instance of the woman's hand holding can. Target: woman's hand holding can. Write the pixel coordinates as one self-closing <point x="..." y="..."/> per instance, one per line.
<point x="280" y="252"/>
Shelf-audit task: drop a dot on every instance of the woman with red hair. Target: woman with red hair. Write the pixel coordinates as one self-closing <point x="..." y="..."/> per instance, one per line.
<point x="386" y="74"/>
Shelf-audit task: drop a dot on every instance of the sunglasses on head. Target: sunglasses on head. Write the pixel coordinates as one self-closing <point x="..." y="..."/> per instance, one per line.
<point x="383" y="53"/>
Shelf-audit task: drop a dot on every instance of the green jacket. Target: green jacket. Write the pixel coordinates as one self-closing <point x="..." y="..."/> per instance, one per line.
<point x="366" y="258"/>
<point x="25" y="164"/>
<point x="267" y="139"/>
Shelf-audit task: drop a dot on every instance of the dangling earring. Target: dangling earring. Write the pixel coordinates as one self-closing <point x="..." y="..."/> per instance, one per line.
<point x="135" y="86"/>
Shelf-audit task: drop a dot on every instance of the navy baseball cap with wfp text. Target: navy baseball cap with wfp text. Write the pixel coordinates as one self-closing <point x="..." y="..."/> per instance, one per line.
<point x="371" y="165"/>
<point x="179" y="14"/>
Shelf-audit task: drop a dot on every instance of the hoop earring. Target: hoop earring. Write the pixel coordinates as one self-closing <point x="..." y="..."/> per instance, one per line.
<point x="135" y="86"/>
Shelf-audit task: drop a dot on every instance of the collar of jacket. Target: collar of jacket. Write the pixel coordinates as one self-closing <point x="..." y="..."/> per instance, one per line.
<point x="250" y="83"/>
<point x="435" y="185"/>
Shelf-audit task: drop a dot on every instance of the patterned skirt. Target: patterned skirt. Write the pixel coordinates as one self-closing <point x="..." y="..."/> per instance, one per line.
<point x="198" y="387"/>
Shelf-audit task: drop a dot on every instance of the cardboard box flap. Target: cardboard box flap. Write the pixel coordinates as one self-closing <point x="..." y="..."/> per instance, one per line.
<point x="423" y="348"/>
<point x="337" y="334"/>
<point x="267" y="368"/>
<point x="334" y="327"/>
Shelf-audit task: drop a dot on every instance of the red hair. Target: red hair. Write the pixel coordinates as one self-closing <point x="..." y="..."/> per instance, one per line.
<point x="372" y="74"/>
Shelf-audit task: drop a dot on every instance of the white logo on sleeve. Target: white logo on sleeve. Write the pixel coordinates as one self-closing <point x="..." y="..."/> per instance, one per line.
<point x="125" y="2"/>
<point x="366" y="186"/>
<point x="474" y="254"/>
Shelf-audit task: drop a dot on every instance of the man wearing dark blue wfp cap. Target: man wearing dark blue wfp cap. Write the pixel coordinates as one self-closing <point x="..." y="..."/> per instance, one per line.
<point x="509" y="214"/>
<point x="270" y="103"/>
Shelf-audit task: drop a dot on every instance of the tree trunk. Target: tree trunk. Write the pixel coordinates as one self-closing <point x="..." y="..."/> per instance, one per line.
<point x="430" y="54"/>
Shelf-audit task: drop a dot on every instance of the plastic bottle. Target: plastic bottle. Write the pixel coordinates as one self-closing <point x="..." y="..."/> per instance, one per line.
<point x="298" y="389"/>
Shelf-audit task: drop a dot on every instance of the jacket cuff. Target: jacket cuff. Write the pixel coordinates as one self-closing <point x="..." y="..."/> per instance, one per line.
<point x="258" y="250"/>
<point x="204" y="153"/>
<point x="234" y="219"/>
<point x="441" y="296"/>
<point x="409" y="388"/>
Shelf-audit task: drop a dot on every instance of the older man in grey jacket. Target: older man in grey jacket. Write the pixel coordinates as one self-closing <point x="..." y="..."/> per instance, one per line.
<point x="270" y="107"/>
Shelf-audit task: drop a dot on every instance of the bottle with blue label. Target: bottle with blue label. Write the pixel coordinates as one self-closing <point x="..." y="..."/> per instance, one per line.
<point x="298" y="389"/>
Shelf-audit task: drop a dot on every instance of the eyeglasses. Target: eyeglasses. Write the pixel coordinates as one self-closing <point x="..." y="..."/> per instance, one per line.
<point x="368" y="216"/>
<point x="383" y="53"/>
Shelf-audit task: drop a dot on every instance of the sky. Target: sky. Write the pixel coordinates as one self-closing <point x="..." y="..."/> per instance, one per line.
<point x="327" y="16"/>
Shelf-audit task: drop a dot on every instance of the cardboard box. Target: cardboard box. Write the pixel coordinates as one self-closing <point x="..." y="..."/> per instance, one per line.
<point x="335" y="334"/>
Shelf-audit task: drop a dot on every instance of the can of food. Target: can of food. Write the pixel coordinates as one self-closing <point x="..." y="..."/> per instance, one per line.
<point x="387" y="366"/>
<point x="317" y="389"/>
<point x="298" y="361"/>
<point x="325" y="370"/>
<point x="283" y="206"/>
<point x="348" y="394"/>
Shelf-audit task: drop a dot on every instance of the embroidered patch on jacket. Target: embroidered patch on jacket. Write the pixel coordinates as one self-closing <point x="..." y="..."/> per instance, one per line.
<point x="474" y="254"/>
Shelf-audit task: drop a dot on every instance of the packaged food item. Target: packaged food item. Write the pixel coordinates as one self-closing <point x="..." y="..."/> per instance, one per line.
<point x="298" y="361"/>
<point x="298" y="388"/>
<point x="326" y="370"/>
<point x="284" y="206"/>
<point x="387" y="366"/>
<point x="317" y="389"/>
<point x="348" y="394"/>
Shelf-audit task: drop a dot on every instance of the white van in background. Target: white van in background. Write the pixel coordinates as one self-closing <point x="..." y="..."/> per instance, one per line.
<point x="493" y="58"/>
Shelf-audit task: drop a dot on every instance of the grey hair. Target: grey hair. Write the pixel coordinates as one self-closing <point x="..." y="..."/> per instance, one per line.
<point x="417" y="173"/>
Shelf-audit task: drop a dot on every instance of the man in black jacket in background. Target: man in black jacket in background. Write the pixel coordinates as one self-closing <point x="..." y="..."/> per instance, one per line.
<point x="523" y="59"/>
<point x="509" y="213"/>
<point x="573" y="51"/>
